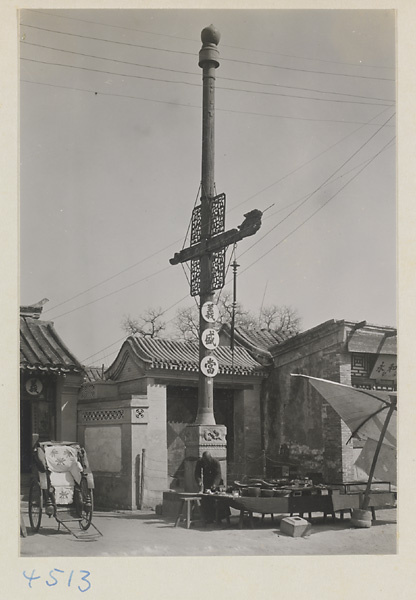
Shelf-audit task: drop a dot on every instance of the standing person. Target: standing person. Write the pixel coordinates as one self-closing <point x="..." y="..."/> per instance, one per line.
<point x="208" y="477"/>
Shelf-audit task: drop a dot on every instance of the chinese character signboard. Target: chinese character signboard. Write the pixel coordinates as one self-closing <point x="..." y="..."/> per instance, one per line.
<point x="210" y="312"/>
<point x="210" y="339"/>
<point x="385" y="368"/>
<point x="34" y="386"/>
<point x="209" y="366"/>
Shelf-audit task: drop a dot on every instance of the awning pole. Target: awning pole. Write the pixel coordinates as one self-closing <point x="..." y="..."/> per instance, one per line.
<point x="366" y="499"/>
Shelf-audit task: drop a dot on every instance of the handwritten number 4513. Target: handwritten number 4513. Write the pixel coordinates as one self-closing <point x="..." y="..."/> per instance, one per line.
<point x="53" y="579"/>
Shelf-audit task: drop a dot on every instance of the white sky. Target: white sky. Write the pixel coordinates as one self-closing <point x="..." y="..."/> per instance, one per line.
<point x="110" y="164"/>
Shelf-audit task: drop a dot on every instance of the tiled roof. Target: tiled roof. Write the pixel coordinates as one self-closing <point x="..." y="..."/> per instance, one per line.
<point x="256" y="342"/>
<point x="184" y="356"/>
<point x="261" y="338"/>
<point x="93" y="374"/>
<point x="42" y="349"/>
<point x="373" y="342"/>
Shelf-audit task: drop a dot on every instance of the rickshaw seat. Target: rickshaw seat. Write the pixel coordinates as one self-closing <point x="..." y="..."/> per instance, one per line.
<point x="65" y="470"/>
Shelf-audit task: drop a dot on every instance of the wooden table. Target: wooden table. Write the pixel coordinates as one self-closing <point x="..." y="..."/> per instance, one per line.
<point x="188" y="501"/>
<point x="328" y="504"/>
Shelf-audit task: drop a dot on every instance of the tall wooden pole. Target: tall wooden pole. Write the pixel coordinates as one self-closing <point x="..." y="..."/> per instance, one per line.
<point x="208" y="61"/>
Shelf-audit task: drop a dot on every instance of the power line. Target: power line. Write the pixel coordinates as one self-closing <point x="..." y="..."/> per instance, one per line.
<point x="106" y="348"/>
<point x="166" y="247"/>
<point x="320" y="186"/>
<point x="222" y="58"/>
<point x="246" y="62"/>
<point x="158" y="252"/>
<point x="365" y="165"/>
<point x="227" y="110"/>
<point x="116" y="60"/>
<point x="141" y="261"/>
<point x="123" y="338"/>
<point x="177" y="37"/>
<point x="308" y="162"/>
<point x="318" y="209"/>
<point x="111" y="293"/>
<point x="195" y="74"/>
<point x="111" y="277"/>
<point x="305" y="198"/>
<point x="364" y="162"/>
<point x="198" y="85"/>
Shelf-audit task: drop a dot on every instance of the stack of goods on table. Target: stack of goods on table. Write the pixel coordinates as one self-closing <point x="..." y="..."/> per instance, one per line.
<point x="278" y="488"/>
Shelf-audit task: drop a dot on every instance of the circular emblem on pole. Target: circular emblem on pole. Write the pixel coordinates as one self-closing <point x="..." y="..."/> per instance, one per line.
<point x="210" y="312"/>
<point x="209" y="366"/>
<point x="210" y="339"/>
<point x="34" y="386"/>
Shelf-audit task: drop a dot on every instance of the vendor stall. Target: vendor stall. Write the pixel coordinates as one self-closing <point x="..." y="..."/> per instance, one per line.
<point x="307" y="502"/>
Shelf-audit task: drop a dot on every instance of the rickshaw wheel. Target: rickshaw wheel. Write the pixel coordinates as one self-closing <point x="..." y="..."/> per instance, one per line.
<point x="35" y="505"/>
<point x="84" y="504"/>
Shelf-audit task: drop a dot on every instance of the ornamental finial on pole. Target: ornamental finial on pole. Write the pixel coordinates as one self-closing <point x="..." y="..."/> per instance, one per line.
<point x="210" y="37"/>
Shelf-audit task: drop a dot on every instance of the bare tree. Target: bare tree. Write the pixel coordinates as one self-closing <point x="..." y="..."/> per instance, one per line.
<point x="187" y="323"/>
<point x="280" y="319"/>
<point x="284" y="320"/>
<point x="149" y="324"/>
<point x="187" y="319"/>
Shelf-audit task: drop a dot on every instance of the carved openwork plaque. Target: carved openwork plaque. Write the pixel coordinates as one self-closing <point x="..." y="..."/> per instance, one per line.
<point x="218" y="258"/>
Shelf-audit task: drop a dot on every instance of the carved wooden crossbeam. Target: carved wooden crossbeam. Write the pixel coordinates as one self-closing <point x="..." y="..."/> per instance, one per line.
<point x="250" y="225"/>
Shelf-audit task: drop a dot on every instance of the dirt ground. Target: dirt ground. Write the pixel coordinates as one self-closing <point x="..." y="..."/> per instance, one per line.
<point x="143" y="533"/>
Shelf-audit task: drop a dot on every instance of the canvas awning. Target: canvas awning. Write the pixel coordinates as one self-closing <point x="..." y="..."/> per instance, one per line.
<point x="365" y="413"/>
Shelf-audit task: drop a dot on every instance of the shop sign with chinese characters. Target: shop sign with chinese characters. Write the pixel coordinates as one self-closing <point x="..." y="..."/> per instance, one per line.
<point x="209" y="366"/>
<point x="210" y="339"/>
<point x="210" y="312"/>
<point x="385" y="368"/>
<point x="34" y="386"/>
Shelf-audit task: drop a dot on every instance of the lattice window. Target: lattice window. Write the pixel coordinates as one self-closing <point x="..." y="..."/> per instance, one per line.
<point x="87" y="392"/>
<point x="92" y="416"/>
<point x="359" y="365"/>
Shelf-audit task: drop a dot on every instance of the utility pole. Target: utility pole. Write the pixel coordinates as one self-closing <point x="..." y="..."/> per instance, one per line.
<point x="207" y="256"/>
<point x="208" y="61"/>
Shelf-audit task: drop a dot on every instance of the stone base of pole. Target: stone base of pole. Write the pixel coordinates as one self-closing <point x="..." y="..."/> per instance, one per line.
<point x="201" y="438"/>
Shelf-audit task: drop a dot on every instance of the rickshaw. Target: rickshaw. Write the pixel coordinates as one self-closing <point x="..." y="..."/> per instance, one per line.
<point x="62" y="487"/>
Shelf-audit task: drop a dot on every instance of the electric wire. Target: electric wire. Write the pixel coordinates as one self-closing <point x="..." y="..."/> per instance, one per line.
<point x="198" y="85"/>
<point x="111" y="277"/>
<point x="366" y="163"/>
<point x="195" y="40"/>
<point x="258" y="192"/>
<point x="227" y="110"/>
<point x="125" y="337"/>
<point x="171" y="51"/>
<point x="307" y="162"/>
<point x="307" y="195"/>
<point x="319" y="208"/>
<point x="199" y="189"/>
<point x="391" y="102"/>
<point x="319" y="187"/>
<point x="112" y="293"/>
